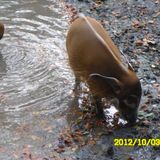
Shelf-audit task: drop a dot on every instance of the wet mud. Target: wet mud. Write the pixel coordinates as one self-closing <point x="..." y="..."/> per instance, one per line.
<point x="134" y="27"/>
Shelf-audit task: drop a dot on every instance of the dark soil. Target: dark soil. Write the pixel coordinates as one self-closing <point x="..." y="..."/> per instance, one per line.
<point x="134" y="26"/>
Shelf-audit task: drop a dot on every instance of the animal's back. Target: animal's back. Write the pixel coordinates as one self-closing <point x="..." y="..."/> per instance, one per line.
<point x="89" y="47"/>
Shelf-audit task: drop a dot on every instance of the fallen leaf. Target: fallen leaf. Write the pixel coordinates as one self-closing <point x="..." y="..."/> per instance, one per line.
<point x="35" y="138"/>
<point x="139" y="42"/>
<point x="149" y="41"/>
<point x="137" y="24"/>
<point x="49" y="129"/>
<point x="36" y="113"/>
<point x="59" y="150"/>
<point x="116" y="14"/>
<point x="156" y="15"/>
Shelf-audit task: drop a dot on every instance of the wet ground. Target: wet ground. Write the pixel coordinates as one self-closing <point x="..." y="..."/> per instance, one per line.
<point x="39" y="116"/>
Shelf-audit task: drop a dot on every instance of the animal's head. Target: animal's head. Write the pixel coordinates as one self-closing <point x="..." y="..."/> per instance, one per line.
<point x="128" y="95"/>
<point x="129" y="100"/>
<point x="1" y="30"/>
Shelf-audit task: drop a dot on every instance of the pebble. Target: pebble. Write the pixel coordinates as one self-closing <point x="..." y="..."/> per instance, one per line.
<point x="153" y="66"/>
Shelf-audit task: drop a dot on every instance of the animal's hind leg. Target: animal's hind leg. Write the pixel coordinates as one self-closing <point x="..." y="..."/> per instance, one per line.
<point x="77" y="85"/>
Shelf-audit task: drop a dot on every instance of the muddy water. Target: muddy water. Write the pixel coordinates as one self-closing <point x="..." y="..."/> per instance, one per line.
<point x="35" y="80"/>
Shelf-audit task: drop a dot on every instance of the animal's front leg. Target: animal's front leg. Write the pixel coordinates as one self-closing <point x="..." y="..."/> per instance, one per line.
<point x="99" y="106"/>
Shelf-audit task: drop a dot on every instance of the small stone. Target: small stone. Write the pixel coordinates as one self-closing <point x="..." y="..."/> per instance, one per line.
<point x="150" y="22"/>
<point x="139" y="43"/>
<point x="110" y="151"/>
<point x="153" y="66"/>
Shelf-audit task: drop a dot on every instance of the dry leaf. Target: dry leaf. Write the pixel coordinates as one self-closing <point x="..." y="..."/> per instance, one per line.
<point x="139" y="43"/>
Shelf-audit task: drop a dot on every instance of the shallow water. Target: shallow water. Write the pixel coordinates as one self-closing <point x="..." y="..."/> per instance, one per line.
<point x="35" y="80"/>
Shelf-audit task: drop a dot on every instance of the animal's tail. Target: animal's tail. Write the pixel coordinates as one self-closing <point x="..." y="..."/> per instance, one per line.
<point x="72" y="11"/>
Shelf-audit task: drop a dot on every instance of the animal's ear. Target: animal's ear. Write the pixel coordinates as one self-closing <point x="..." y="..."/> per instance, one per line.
<point x="114" y="83"/>
<point x="129" y="65"/>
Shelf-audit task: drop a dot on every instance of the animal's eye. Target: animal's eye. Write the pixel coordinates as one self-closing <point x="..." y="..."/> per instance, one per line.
<point x="131" y="101"/>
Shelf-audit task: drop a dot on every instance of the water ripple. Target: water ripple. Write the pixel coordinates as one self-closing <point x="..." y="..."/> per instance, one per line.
<point x="33" y="49"/>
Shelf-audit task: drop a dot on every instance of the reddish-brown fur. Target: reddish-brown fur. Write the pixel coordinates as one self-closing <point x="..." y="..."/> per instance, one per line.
<point x="1" y="30"/>
<point x="91" y="51"/>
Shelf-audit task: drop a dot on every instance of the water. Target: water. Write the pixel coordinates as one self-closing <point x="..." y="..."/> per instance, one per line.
<point x="35" y="79"/>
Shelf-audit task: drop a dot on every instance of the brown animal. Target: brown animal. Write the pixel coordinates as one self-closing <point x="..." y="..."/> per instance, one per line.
<point x="95" y="59"/>
<point x="1" y="30"/>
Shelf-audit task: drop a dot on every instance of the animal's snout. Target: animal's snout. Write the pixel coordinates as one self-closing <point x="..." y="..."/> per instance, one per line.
<point x="132" y="121"/>
<point x="131" y="118"/>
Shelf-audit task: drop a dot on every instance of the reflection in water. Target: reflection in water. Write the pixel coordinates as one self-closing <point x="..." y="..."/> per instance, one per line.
<point x="2" y="66"/>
